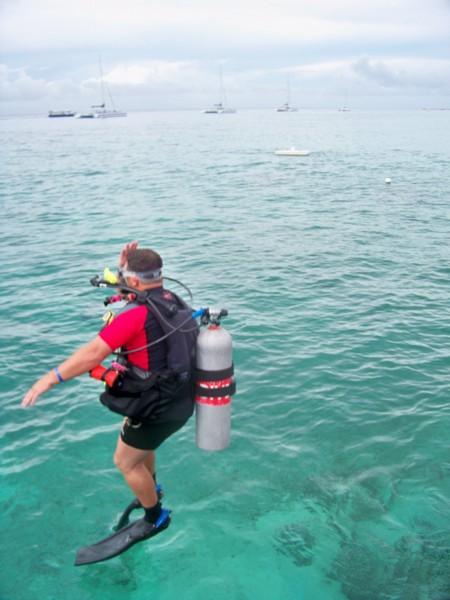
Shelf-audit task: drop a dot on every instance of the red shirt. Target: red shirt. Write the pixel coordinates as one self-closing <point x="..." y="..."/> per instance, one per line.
<point x="128" y="331"/>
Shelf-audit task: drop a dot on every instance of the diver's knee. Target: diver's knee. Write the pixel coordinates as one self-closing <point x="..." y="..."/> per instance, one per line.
<point x="120" y="463"/>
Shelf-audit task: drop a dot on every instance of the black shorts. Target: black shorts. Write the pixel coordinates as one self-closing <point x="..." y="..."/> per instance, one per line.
<point x="148" y="436"/>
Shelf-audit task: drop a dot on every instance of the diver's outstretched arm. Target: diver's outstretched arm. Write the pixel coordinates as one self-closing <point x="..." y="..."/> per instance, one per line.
<point x="82" y="360"/>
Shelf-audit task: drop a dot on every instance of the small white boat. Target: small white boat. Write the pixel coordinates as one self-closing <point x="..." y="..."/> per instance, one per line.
<point x="61" y="113"/>
<point x="292" y="152"/>
<point x="100" y="111"/>
<point x="107" y="114"/>
<point x="286" y="108"/>
<point x="85" y="115"/>
<point x="219" y="109"/>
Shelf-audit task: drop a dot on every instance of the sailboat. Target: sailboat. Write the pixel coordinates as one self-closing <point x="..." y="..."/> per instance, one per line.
<point x="221" y="107"/>
<point x="99" y="110"/>
<point x="345" y="107"/>
<point x="218" y="109"/>
<point x="286" y="107"/>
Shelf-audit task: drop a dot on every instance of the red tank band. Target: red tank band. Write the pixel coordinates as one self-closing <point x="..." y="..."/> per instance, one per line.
<point x="216" y="393"/>
<point x="213" y="401"/>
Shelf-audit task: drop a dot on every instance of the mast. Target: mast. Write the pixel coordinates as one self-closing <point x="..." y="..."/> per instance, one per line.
<point x="102" y="85"/>
<point x="223" y="98"/>
<point x="104" y="88"/>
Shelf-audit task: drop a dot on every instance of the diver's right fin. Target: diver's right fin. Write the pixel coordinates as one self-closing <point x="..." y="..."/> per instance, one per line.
<point x="123" y="539"/>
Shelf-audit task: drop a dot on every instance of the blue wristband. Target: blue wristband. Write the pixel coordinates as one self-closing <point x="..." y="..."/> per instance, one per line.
<point x="58" y="375"/>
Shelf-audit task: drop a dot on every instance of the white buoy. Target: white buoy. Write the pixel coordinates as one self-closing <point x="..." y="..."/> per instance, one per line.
<point x="387" y="180"/>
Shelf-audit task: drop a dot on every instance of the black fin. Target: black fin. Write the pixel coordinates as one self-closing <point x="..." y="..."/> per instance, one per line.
<point x="134" y="504"/>
<point x="120" y="541"/>
<point x="125" y="516"/>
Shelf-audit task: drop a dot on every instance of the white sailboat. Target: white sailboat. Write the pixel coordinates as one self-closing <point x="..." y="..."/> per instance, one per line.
<point x="221" y="107"/>
<point x="218" y="109"/>
<point x="286" y="107"/>
<point x="85" y="115"/>
<point x="345" y="107"/>
<point x="100" y="110"/>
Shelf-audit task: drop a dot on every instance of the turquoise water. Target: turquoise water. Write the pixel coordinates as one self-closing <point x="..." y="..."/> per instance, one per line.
<point x="336" y="484"/>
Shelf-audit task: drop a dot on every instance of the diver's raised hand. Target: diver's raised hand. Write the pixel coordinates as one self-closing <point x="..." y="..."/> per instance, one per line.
<point x="123" y="258"/>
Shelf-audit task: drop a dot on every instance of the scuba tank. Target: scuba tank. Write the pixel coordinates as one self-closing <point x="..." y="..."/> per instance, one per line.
<point x="214" y="384"/>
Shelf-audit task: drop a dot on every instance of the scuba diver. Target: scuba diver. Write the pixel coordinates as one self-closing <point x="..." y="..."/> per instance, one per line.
<point x="151" y="383"/>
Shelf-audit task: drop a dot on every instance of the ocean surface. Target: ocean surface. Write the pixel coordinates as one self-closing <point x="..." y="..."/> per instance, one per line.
<point x="336" y="485"/>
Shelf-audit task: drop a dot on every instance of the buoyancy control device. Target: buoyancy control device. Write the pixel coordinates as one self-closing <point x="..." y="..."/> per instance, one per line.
<point x="200" y="358"/>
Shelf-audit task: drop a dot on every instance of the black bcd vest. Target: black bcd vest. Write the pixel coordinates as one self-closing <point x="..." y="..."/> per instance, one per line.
<point x="166" y="394"/>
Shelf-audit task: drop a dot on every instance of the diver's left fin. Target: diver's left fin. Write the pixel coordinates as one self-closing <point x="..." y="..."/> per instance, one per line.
<point x="134" y="504"/>
<point x="125" y="516"/>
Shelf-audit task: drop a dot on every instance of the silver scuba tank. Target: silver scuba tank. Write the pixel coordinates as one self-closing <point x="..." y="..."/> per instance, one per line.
<point x="214" y="383"/>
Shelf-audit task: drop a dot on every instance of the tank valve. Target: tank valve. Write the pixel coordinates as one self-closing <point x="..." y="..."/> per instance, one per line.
<point x="212" y="316"/>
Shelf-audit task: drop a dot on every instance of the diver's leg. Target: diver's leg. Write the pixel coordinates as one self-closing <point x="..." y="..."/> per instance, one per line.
<point x="131" y="462"/>
<point x="150" y="463"/>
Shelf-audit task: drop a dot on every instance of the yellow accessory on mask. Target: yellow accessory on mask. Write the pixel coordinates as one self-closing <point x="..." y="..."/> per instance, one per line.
<point x="109" y="276"/>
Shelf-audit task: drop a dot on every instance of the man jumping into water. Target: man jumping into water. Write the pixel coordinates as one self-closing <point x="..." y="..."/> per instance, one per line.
<point x="157" y="400"/>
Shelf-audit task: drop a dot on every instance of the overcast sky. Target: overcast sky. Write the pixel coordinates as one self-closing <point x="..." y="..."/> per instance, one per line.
<point x="159" y="54"/>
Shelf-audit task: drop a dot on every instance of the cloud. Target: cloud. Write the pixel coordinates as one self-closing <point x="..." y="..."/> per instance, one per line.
<point x="188" y="83"/>
<point x="17" y="84"/>
<point x="137" y="79"/>
<point x="155" y="73"/>
<point x="154" y="48"/>
<point x="405" y="73"/>
<point x="382" y="74"/>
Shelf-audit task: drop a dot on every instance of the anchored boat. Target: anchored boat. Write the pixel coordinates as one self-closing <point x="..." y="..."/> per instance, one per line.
<point x="61" y="113"/>
<point x="99" y="110"/>
<point x="292" y="152"/>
